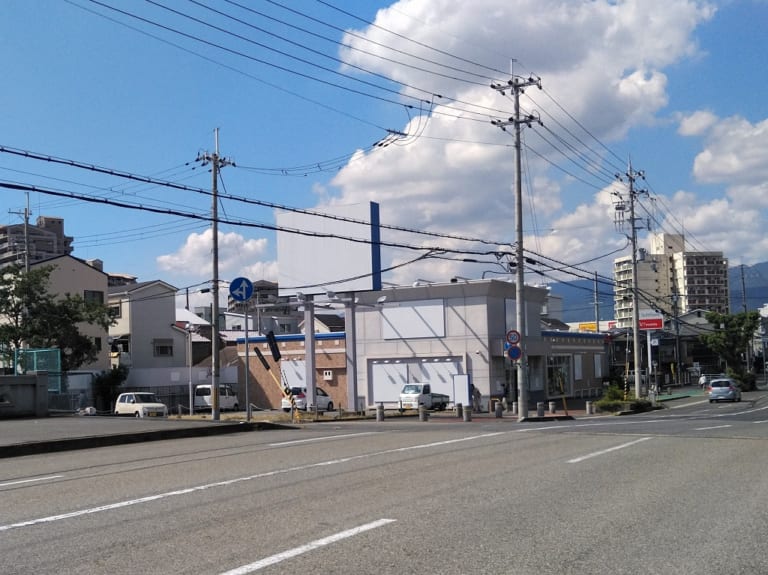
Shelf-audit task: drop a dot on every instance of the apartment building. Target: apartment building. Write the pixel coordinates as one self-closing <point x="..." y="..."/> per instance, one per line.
<point x="34" y="243"/>
<point x="671" y="279"/>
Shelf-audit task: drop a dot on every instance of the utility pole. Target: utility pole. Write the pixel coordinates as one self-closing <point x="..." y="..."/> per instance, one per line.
<point x="632" y="176"/>
<point x="597" y="308"/>
<point x="26" y="215"/>
<point x="744" y="308"/>
<point x="676" y="315"/>
<point x="216" y="163"/>
<point x="517" y="85"/>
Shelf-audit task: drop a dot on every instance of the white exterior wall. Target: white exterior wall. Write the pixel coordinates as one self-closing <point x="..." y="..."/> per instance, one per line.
<point x="465" y="338"/>
<point x="74" y="277"/>
<point x="171" y="376"/>
<point x="148" y="314"/>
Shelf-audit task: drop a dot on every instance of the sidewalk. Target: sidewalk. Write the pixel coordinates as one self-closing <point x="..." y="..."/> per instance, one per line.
<point x="30" y="436"/>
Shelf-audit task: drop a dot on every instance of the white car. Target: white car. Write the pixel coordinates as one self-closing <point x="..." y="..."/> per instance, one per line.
<point x="227" y="398"/>
<point x="322" y="400"/>
<point x="140" y="404"/>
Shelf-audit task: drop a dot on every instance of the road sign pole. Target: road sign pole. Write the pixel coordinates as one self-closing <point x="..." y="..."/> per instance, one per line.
<point x="247" y="366"/>
<point x="241" y="290"/>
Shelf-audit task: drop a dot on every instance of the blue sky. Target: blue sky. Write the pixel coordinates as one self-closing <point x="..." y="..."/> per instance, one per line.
<point x="677" y="86"/>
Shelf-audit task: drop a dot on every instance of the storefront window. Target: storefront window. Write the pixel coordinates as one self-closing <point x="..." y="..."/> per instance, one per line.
<point x="558" y="375"/>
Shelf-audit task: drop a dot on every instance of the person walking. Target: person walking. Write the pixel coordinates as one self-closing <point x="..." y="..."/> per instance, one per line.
<point x="702" y="381"/>
<point x="476" y="396"/>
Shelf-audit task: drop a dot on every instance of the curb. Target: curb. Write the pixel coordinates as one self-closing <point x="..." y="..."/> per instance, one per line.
<point x="89" y="442"/>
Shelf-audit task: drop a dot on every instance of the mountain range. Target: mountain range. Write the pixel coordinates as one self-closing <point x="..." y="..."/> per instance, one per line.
<point x="748" y="288"/>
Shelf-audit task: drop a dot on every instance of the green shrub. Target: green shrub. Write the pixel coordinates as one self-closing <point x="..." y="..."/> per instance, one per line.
<point x="638" y="405"/>
<point x="615" y="405"/>
<point x="614" y="393"/>
<point x="610" y="405"/>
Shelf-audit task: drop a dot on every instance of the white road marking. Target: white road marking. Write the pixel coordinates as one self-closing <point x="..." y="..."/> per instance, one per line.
<point x="20" y="481"/>
<point x="687" y="404"/>
<point x="298" y="441"/>
<point x="713" y="427"/>
<point x="604" y="451"/>
<point x="279" y="557"/>
<point x="761" y="421"/>
<point x="188" y="490"/>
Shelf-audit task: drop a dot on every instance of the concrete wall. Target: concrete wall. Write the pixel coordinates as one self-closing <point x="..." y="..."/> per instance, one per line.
<point x="24" y="395"/>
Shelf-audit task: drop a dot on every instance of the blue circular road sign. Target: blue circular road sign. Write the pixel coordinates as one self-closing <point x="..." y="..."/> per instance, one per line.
<point x="241" y="289"/>
<point x="514" y="352"/>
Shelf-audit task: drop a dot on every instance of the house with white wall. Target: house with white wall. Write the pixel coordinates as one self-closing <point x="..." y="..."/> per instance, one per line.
<point x="144" y="336"/>
<point x="71" y="275"/>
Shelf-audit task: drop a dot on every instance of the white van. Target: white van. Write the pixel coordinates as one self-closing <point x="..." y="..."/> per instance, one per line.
<point x="227" y="398"/>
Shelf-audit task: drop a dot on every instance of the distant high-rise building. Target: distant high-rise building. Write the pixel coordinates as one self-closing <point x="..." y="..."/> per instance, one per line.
<point x="671" y="280"/>
<point x="38" y="242"/>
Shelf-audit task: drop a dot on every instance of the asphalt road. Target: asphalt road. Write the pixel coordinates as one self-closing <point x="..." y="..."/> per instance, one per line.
<point x="682" y="490"/>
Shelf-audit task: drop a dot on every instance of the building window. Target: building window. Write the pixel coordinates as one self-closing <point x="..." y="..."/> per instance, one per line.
<point x="115" y="311"/>
<point x="91" y="296"/>
<point x="97" y="343"/>
<point x="558" y="375"/>
<point x="163" y="347"/>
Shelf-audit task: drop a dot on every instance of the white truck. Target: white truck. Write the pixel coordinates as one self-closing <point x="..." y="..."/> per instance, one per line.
<point x="415" y="394"/>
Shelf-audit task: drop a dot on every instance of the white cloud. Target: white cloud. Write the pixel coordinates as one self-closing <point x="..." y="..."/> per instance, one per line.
<point x="735" y="154"/>
<point x="603" y="60"/>
<point x="238" y="256"/>
<point x="697" y="124"/>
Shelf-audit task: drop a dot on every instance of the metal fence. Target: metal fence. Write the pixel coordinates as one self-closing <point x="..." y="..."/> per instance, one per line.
<point x="176" y="397"/>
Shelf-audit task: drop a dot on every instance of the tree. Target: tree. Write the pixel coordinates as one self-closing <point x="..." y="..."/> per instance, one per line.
<point x="106" y="387"/>
<point x="730" y="339"/>
<point x="29" y="313"/>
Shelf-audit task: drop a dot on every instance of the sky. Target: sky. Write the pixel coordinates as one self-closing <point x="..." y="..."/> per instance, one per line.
<point x="107" y="106"/>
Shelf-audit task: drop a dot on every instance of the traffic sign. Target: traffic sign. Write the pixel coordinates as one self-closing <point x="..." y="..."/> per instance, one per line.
<point x="241" y="289"/>
<point x="514" y="352"/>
<point x="513" y="336"/>
<point x="650" y="319"/>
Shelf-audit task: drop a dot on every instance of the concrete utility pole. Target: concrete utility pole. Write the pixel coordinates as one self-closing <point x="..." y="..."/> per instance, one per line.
<point x="26" y="215"/>
<point x="216" y="163"/>
<point x="632" y="176"/>
<point x="516" y="85"/>
<point x="676" y="315"/>
<point x="597" y="307"/>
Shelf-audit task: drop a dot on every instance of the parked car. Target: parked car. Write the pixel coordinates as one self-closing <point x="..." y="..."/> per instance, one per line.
<point x="723" y="388"/>
<point x="227" y="398"/>
<point x="140" y="404"/>
<point x="322" y="400"/>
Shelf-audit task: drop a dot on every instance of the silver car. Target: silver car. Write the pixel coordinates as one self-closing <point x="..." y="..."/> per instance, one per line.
<point x="722" y="389"/>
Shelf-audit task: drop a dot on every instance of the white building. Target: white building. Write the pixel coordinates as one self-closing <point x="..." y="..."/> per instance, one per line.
<point x="443" y="333"/>
<point x="671" y="280"/>
<point x="38" y="242"/>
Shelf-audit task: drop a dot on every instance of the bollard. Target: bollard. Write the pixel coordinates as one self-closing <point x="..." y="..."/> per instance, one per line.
<point x="380" y="412"/>
<point x="459" y="410"/>
<point x="514" y="408"/>
<point x="423" y="414"/>
<point x="552" y="407"/>
<point x="540" y="409"/>
<point x="588" y="406"/>
<point x="467" y="413"/>
<point x="499" y="410"/>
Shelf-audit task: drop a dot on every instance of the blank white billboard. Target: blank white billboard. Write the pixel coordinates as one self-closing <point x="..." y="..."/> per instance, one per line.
<point x="317" y="254"/>
<point x="417" y="319"/>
